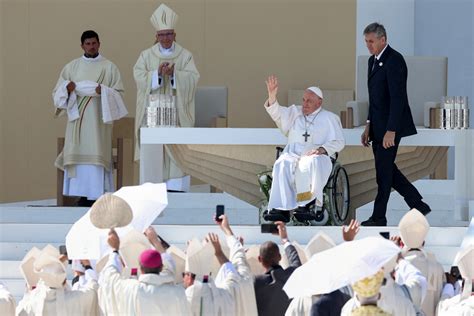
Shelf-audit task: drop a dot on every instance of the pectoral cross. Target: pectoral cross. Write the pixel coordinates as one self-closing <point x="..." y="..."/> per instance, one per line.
<point x="306" y="135"/>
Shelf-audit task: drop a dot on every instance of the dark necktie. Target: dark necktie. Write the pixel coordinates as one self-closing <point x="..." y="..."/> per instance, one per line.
<point x="373" y="65"/>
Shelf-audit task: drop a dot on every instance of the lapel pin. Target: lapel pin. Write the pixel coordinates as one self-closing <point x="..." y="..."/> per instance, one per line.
<point x="380" y="64"/>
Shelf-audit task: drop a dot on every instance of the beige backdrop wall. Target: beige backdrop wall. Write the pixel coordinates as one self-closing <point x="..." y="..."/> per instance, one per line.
<point x="236" y="43"/>
<point x="2" y="148"/>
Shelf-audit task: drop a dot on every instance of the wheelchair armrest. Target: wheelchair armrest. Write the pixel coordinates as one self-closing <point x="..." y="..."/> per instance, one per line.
<point x="360" y="110"/>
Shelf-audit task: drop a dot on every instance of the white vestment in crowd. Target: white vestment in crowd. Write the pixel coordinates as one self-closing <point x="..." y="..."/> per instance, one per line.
<point x="87" y="155"/>
<point x="394" y="299"/>
<point x="211" y="298"/>
<point x="151" y="294"/>
<point x="89" y="276"/>
<point x="300" y="306"/>
<point x="455" y="304"/>
<point x="299" y="179"/>
<point x="46" y="301"/>
<point x="7" y="302"/>
<point x="433" y="271"/>
<point x="408" y="276"/>
<point x="182" y="84"/>
<point x="244" y="292"/>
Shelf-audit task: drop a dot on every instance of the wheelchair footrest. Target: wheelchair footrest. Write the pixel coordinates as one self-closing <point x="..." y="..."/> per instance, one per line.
<point x="277" y="215"/>
<point x="303" y="216"/>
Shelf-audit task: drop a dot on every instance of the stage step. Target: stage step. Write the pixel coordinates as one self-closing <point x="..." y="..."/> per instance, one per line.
<point x="438" y="194"/>
<point x="182" y="209"/>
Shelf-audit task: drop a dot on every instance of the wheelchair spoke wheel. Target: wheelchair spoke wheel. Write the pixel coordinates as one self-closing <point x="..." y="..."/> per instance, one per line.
<point x="339" y="196"/>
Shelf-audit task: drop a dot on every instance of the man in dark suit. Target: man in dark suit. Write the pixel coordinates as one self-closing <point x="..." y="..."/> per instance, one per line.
<point x="388" y="121"/>
<point x="330" y="304"/>
<point x="271" y="299"/>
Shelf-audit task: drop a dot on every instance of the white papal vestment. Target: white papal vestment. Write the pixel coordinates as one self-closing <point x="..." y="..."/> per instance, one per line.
<point x="299" y="179"/>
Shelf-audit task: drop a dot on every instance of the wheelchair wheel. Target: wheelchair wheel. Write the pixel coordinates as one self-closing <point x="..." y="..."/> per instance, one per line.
<point x="339" y="196"/>
<point x="322" y="219"/>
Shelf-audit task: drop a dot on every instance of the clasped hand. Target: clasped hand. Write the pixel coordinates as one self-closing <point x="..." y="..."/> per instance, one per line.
<point x="71" y="86"/>
<point x="318" y="151"/>
<point x="166" y="69"/>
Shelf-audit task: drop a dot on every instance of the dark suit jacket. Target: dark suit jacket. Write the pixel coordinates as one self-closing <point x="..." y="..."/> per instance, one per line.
<point x="271" y="299"/>
<point x="388" y="101"/>
<point x="329" y="304"/>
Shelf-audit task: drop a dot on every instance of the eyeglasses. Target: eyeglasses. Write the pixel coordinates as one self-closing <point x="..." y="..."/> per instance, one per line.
<point x="169" y="34"/>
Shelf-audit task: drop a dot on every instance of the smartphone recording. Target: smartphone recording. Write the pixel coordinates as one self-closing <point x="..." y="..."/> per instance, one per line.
<point x="219" y="211"/>
<point x="269" y="228"/>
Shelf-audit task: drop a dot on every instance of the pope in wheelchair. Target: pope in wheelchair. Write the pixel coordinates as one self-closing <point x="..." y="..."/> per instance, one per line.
<point x="302" y="170"/>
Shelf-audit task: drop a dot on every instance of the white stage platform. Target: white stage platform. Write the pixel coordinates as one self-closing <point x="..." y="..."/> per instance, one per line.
<point x="153" y="139"/>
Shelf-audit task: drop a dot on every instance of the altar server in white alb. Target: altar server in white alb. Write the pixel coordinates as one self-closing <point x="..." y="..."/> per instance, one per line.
<point x="462" y="303"/>
<point x="7" y="301"/>
<point x="154" y="293"/>
<point x="314" y="135"/>
<point x="89" y="90"/>
<point x="52" y="295"/>
<point x="413" y="230"/>
<point x="166" y="68"/>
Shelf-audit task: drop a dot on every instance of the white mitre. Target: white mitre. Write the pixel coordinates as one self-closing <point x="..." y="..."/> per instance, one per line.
<point x="164" y="18"/>
<point x="413" y="228"/>
<point x="320" y="242"/>
<point x="465" y="262"/>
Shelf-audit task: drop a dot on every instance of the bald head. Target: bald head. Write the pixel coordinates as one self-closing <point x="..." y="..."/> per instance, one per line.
<point x="269" y="254"/>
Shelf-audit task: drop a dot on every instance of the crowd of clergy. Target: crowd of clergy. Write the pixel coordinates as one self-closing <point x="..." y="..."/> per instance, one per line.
<point x="144" y="275"/>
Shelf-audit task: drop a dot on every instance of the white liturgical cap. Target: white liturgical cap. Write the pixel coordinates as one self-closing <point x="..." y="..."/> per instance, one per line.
<point x="316" y="91"/>
<point x="131" y="246"/>
<point x="164" y="18"/>
<point x="179" y="258"/>
<point x="252" y="254"/>
<point x="50" y="269"/>
<point x="413" y="228"/>
<point x="320" y="242"/>
<point x="465" y="262"/>
<point x="26" y="267"/>
<point x="199" y="258"/>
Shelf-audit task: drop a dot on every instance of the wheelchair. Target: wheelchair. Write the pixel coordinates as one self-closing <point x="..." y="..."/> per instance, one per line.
<point x="336" y="201"/>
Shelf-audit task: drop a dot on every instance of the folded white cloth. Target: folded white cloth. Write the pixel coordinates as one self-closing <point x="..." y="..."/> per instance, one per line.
<point x="113" y="107"/>
<point x="66" y="102"/>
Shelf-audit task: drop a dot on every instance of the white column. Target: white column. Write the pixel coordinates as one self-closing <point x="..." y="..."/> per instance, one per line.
<point x="151" y="163"/>
<point x="464" y="175"/>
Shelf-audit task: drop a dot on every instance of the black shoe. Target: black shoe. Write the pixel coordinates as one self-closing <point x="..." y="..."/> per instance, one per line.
<point x="275" y="215"/>
<point x="306" y="208"/>
<point x="423" y="208"/>
<point x="84" y="202"/>
<point x="372" y="222"/>
<point x="302" y="210"/>
<point x="317" y="216"/>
